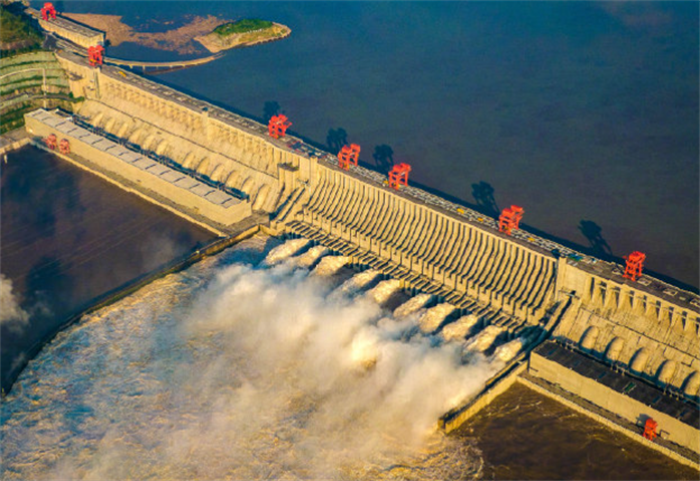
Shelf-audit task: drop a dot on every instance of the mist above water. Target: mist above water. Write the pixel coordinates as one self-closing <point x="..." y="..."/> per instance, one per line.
<point x="232" y="370"/>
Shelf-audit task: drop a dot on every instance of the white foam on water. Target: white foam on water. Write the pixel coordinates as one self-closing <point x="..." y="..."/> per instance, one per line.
<point x="413" y="305"/>
<point x="509" y="350"/>
<point x="484" y="339"/>
<point x="286" y="250"/>
<point x="330" y="265"/>
<point x="231" y="371"/>
<point x="384" y="290"/>
<point x="459" y="329"/>
<point x="308" y="258"/>
<point x="357" y="282"/>
<point x="431" y="319"/>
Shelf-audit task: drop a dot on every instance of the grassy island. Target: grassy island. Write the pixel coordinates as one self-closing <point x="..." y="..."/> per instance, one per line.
<point x="242" y="26"/>
<point x="243" y="33"/>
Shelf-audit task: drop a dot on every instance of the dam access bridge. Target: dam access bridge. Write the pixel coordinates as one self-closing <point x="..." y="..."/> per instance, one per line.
<point x="528" y="286"/>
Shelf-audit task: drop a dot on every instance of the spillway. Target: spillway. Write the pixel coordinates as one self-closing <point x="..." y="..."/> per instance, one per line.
<point x="330" y="265"/>
<point x="460" y="328"/>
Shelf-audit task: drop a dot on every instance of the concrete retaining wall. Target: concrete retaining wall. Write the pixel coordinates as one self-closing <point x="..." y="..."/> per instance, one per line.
<point x="231" y="214"/>
<point x="617" y="403"/>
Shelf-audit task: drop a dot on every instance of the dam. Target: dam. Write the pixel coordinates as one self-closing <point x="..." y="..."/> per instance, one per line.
<point x="531" y="288"/>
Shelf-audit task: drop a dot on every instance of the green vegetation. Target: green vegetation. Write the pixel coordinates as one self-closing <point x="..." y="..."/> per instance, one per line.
<point x="242" y="26"/>
<point x="17" y="33"/>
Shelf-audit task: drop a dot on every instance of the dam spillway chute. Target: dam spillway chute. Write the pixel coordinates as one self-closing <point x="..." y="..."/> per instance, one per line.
<point x="232" y="178"/>
<point x="286" y="250"/>
<point x="508" y="351"/>
<point x="614" y="349"/>
<point x="384" y="290"/>
<point x="261" y="197"/>
<point x="431" y="320"/>
<point x="330" y="265"/>
<point x="359" y="281"/>
<point x="639" y="360"/>
<point x="459" y="329"/>
<point x="691" y="386"/>
<point x="309" y="258"/>
<point x="666" y="371"/>
<point x="589" y="338"/>
<point x="413" y="305"/>
<point x="484" y="339"/>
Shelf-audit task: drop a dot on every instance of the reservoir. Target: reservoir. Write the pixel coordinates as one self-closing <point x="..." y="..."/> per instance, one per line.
<point x="68" y="237"/>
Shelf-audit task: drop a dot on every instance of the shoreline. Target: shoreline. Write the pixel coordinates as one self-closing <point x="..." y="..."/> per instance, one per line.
<point x="213" y="42"/>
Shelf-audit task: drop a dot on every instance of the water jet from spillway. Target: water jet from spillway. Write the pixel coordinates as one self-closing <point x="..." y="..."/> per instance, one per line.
<point x="284" y="251"/>
<point x="330" y="265"/>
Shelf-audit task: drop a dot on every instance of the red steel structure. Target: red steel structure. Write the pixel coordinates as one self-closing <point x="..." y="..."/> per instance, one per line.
<point x="635" y="263"/>
<point x="51" y="141"/>
<point x="650" y="429"/>
<point x="48" y="12"/>
<point x="510" y="219"/>
<point x="398" y="175"/>
<point x="96" y="55"/>
<point x="278" y="126"/>
<point x="64" y="146"/>
<point x="348" y="155"/>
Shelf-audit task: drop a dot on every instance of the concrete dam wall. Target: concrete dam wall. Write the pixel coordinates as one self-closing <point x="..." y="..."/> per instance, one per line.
<point x="647" y="328"/>
<point x="433" y="245"/>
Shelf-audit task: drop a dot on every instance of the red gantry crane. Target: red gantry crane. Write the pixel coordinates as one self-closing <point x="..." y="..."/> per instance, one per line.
<point x="278" y="126"/>
<point x="51" y="141"/>
<point x="650" y="429"/>
<point x="48" y="12"/>
<point x="510" y="219"/>
<point x="635" y="263"/>
<point x="64" y="146"/>
<point x="348" y="155"/>
<point x="96" y="55"/>
<point x="398" y="175"/>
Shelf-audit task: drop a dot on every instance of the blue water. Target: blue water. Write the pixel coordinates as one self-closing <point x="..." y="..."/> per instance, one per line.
<point x="584" y="113"/>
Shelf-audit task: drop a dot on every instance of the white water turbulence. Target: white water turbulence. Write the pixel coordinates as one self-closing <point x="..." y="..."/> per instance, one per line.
<point x="459" y="329"/>
<point x="412" y="305"/>
<point x="431" y="319"/>
<point x="384" y="290"/>
<point x="482" y="341"/>
<point x="509" y="350"/>
<point x="357" y="282"/>
<point x="11" y="314"/>
<point x="330" y="265"/>
<point x="308" y="258"/>
<point x="232" y="371"/>
<point x="286" y="250"/>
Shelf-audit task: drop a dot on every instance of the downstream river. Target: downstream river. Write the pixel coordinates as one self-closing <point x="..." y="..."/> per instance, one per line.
<point x="68" y="237"/>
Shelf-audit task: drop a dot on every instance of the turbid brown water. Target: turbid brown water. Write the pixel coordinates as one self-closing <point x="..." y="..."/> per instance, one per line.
<point x="525" y="435"/>
<point x="69" y="236"/>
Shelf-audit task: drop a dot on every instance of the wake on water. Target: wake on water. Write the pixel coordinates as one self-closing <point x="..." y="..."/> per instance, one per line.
<point x="244" y="369"/>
